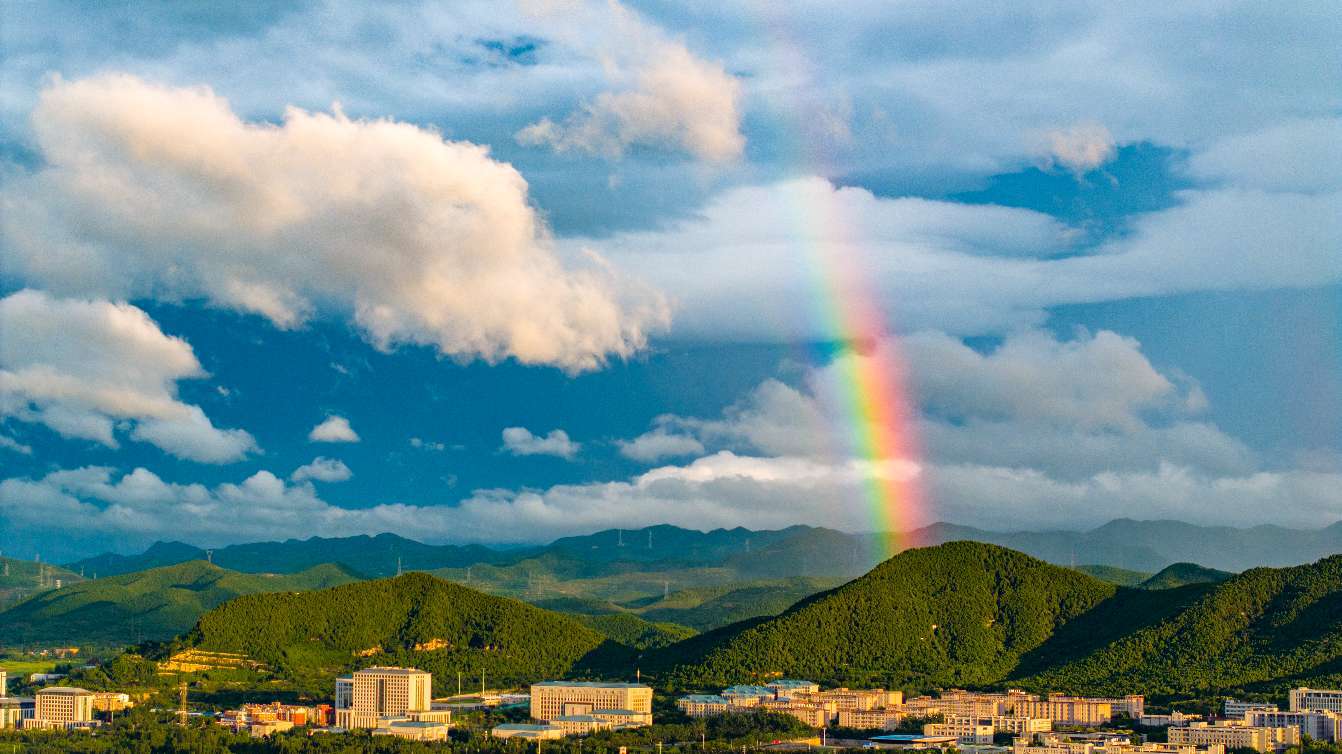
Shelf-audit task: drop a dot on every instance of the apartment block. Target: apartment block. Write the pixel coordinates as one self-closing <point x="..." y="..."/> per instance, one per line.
<point x="1236" y="736"/>
<point x="1019" y="726"/>
<point x="855" y="699"/>
<point x="1320" y="724"/>
<point x="706" y="705"/>
<point x="1308" y="699"/>
<point x="369" y="695"/>
<point x="554" y="699"/>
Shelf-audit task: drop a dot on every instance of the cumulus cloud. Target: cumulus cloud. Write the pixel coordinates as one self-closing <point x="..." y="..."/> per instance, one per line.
<point x="322" y="469"/>
<point x="724" y="489"/>
<point x="333" y="429"/>
<point x="88" y="369"/>
<point x="151" y="190"/>
<point x="1080" y="148"/>
<point x="659" y="443"/>
<point x="665" y="97"/>
<point x="521" y="442"/>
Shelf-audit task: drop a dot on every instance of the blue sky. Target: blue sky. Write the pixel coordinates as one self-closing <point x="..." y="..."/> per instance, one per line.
<point x="541" y="269"/>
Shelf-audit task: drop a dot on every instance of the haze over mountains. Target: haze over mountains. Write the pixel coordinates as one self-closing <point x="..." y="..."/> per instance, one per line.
<point x="1144" y="546"/>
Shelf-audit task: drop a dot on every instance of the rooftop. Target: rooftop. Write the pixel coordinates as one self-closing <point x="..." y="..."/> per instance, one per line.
<point x="706" y="699"/>
<point x="65" y="690"/>
<point x="392" y="671"/>
<point x="594" y="684"/>
<point x="524" y="726"/>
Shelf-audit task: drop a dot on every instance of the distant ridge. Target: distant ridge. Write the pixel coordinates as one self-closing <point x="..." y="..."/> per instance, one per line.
<point x="153" y="604"/>
<point x="1144" y="546"/>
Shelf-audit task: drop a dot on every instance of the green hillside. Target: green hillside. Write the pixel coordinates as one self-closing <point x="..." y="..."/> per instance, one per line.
<point x="706" y="609"/>
<point x="1183" y="574"/>
<point x="416" y="620"/>
<point x="22" y="578"/>
<point x="1115" y="575"/>
<point x="633" y="631"/>
<point x="156" y="604"/>
<point x="962" y="613"/>
<point x="1263" y="629"/>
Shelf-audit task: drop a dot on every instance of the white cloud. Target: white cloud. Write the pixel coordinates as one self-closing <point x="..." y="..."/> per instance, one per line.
<point x="665" y="97"/>
<point x="322" y="469"/>
<point x="1296" y="155"/>
<point x="10" y="443"/>
<point x="1080" y="148"/>
<point x="88" y="368"/>
<point x="521" y="442"/>
<point x="151" y="190"/>
<point x="738" y="267"/>
<point x="333" y="429"/>
<point x="658" y="444"/>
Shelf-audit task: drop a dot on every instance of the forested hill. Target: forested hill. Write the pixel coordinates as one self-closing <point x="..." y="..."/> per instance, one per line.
<point x="413" y="620"/>
<point x="979" y="615"/>
<point x="155" y="604"/>
<point x="1183" y="574"/>
<point x="1267" y="628"/>
<point x="956" y="614"/>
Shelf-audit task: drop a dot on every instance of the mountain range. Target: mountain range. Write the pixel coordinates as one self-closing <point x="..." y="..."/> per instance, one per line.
<point x="962" y="613"/>
<point x="1144" y="546"/>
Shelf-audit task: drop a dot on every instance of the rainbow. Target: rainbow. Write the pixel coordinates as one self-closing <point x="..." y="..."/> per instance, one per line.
<point x="879" y="425"/>
<point x="878" y="420"/>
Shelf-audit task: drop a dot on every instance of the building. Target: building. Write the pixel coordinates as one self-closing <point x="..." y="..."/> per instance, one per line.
<point x="1308" y="699"/>
<point x="62" y="707"/>
<point x="855" y="699"/>
<point x="871" y="719"/>
<point x="1020" y="726"/>
<point x="580" y="725"/>
<point x="111" y="701"/>
<point x="1235" y="709"/>
<point x="4" y="684"/>
<point x="788" y="687"/>
<point x="816" y="715"/>
<point x="708" y="705"/>
<point x="965" y="730"/>
<point x="1073" y="711"/>
<point x="1320" y="725"/>
<point x="374" y="693"/>
<point x="554" y="699"/>
<point x="527" y="731"/>
<point x="1132" y="705"/>
<point x="748" y="695"/>
<point x="414" y="730"/>
<point x="1236" y="736"/>
<point x="1174" y="719"/>
<point x="14" y="710"/>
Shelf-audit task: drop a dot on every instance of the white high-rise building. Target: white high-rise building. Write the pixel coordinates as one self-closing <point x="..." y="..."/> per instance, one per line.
<point x="1318" y="724"/>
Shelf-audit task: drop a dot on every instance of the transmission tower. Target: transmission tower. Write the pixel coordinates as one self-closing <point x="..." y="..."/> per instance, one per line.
<point x="181" y="704"/>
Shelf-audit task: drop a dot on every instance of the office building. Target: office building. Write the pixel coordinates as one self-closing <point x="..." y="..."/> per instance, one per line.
<point x="1174" y="719"/>
<point x="375" y="693"/>
<point x="62" y="707"/>
<point x="414" y="730"/>
<point x="1308" y="699"/>
<point x="527" y="731"/>
<point x="554" y="699"/>
<point x="708" y="705"/>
